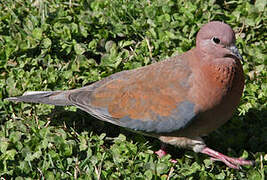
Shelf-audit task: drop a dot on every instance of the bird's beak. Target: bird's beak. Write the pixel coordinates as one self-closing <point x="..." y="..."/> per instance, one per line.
<point x="235" y="52"/>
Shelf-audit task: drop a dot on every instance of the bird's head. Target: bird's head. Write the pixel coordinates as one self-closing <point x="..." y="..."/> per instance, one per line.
<point x="218" y="39"/>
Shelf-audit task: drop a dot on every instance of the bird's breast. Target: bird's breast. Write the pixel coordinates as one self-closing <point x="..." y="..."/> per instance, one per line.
<point x="217" y="82"/>
<point x="217" y="89"/>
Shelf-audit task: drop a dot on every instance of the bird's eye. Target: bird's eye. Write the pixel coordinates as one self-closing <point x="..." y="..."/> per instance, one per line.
<point x="216" y="40"/>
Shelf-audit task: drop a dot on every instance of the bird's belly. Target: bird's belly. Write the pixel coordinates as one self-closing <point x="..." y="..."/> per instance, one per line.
<point x="208" y="120"/>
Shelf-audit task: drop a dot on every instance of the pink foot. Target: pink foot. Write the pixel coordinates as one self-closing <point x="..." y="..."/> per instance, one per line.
<point x="162" y="152"/>
<point x="229" y="161"/>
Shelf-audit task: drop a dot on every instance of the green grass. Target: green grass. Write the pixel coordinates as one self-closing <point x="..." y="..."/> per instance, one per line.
<point x="53" y="45"/>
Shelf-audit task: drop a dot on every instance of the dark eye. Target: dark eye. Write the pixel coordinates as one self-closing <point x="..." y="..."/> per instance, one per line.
<point x="216" y="40"/>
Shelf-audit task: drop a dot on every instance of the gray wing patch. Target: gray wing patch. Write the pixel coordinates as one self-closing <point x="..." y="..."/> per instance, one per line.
<point x="181" y="117"/>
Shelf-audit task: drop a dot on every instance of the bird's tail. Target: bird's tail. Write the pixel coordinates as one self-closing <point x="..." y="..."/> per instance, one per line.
<point x="58" y="98"/>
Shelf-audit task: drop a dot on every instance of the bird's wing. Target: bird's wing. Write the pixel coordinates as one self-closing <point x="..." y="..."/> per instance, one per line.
<point x="151" y="99"/>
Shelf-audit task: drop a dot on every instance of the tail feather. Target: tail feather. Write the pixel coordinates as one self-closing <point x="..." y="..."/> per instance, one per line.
<point x="58" y="98"/>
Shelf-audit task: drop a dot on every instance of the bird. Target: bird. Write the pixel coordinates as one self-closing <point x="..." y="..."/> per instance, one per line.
<point x="177" y="100"/>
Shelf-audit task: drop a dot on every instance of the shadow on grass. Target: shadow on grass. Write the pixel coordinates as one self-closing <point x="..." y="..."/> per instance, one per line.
<point x="247" y="132"/>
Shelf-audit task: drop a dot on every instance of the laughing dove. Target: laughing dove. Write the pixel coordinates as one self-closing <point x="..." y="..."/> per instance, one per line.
<point x="177" y="100"/>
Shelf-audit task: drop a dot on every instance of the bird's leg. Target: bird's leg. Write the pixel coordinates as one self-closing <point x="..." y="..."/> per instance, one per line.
<point x="163" y="152"/>
<point x="229" y="161"/>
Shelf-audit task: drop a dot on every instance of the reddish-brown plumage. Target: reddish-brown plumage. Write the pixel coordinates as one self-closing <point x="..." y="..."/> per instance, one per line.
<point x="153" y="88"/>
<point x="177" y="100"/>
<point x="217" y="89"/>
